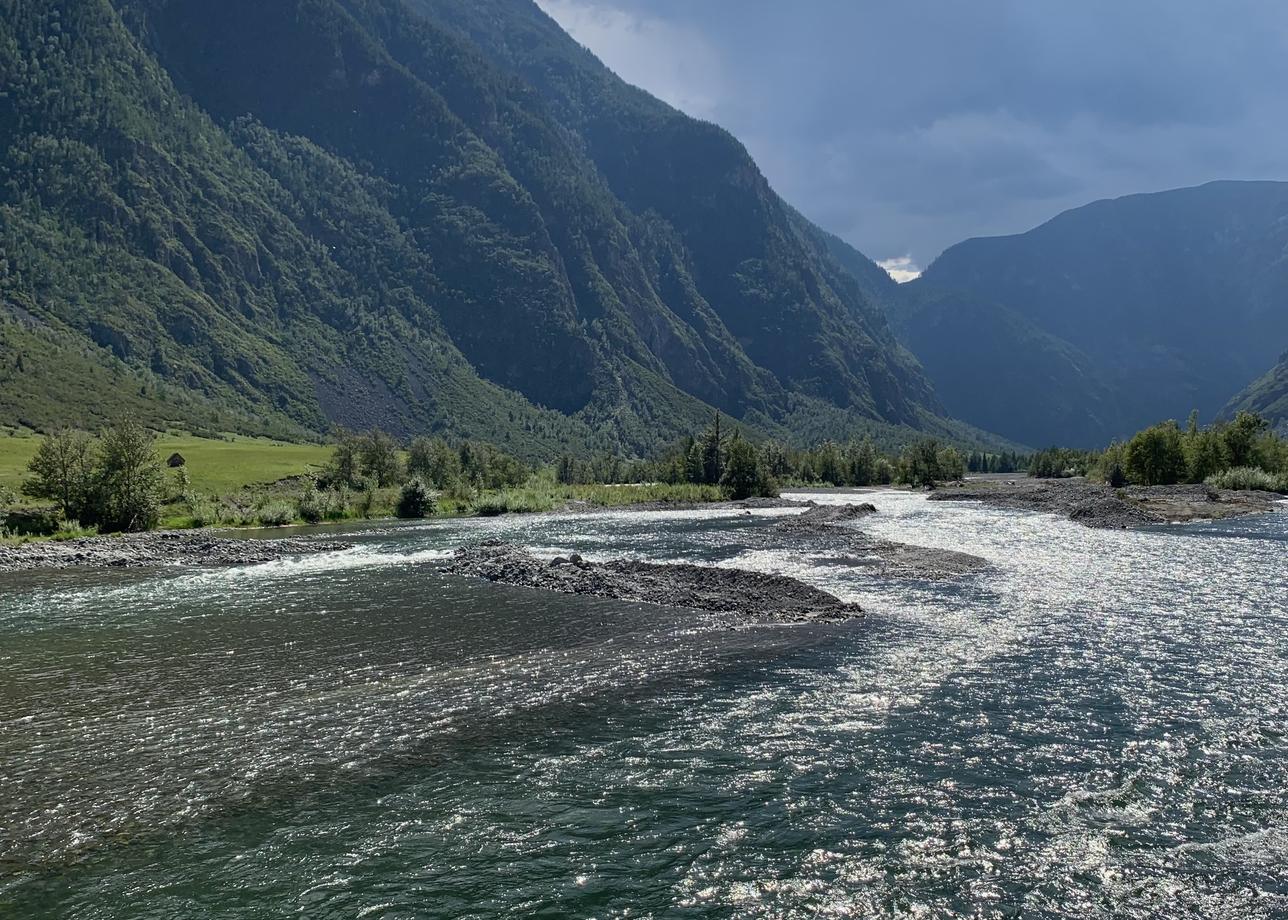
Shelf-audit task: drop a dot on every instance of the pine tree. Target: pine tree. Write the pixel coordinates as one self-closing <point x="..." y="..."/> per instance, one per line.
<point x="713" y="449"/>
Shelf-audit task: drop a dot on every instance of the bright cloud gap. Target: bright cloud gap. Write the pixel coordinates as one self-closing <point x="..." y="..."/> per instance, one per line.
<point x="902" y="269"/>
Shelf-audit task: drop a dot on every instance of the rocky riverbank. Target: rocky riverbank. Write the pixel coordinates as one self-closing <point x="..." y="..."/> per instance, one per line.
<point x="1097" y="505"/>
<point x="748" y="596"/>
<point x="158" y="548"/>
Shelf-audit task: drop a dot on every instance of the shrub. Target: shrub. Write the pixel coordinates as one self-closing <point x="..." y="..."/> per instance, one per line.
<point x="202" y="510"/>
<point x="312" y="506"/>
<point x="366" y="503"/>
<point x="336" y="504"/>
<point x="72" y="530"/>
<point x="30" y="522"/>
<point x="514" y="501"/>
<point x="275" y="514"/>
<point x="492" y="505"/>
<point x="1244" y="477"/>
<point x="414" y="500"/>
<point x="1110" y="466"/>
<point x="459" y="495"/>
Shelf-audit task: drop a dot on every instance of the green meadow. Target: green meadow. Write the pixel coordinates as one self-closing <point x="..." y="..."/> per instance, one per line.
<point x="214" y="466"/>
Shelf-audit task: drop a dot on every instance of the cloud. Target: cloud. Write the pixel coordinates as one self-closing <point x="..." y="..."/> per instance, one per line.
<point x="902" y="269"/>
<point x="907" y="127"/>
<point x="673" y="62"/>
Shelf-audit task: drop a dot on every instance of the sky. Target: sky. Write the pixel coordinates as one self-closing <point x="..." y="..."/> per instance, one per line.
<point x="905" y="126"/>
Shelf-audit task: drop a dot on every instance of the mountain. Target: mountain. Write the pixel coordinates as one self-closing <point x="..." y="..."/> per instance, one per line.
<point x="428" y="215"/>
<point x="1267" y="396"/>
<point x="1108" y="317"/>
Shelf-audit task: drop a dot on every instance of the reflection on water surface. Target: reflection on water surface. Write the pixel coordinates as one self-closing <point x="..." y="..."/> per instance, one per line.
<point x="1096" y="727"/>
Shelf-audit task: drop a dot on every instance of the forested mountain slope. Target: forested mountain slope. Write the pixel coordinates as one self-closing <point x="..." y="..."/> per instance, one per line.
<point x="423" y="215"/>
<point x="1108" y="317"/>
<point x="1267" y="396"/>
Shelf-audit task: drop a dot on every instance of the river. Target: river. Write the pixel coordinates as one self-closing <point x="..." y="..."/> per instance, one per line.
<point x="1095" y="727"/>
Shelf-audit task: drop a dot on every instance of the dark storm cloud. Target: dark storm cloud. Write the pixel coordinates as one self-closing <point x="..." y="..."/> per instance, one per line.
<point x="908" y="126"/>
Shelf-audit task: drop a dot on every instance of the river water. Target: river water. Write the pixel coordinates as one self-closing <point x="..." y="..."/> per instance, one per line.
<point x="1097" y="727"/>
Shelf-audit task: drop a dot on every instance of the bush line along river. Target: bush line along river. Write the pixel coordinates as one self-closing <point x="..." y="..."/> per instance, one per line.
<point x="1095" y="725"/>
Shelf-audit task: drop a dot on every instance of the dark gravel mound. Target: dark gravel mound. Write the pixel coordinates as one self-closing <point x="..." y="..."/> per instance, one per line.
<point x="752" y="596"/>
<point x="155" y="549"/>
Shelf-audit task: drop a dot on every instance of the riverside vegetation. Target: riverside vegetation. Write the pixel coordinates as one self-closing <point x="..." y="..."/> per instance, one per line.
<point x="1161" y="475"/>
<point x="1240" y="454"/>
<point x="116" y="481"/>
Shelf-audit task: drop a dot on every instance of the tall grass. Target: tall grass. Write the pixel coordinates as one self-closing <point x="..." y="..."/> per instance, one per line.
<point x="1245" y="477"/>
<point x="541" y="494"/>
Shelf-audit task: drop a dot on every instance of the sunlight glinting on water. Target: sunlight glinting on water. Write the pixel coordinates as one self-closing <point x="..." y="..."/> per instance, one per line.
<point x="1094" y="726"/>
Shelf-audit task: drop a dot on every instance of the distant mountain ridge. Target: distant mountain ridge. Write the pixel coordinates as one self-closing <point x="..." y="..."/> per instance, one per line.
<point x="431" y="215"/>
<point x="1108" y="317"/>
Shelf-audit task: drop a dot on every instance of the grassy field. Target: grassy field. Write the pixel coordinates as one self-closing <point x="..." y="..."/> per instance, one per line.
<point x="214" y="466"/>
<point x="239" y="482"/>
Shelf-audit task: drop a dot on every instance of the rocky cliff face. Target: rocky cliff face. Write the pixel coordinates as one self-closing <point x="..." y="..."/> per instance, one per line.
<point x="431" y="216"/>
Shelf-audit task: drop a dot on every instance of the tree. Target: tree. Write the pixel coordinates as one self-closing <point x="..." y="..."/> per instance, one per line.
<point x="420" y="456"/>
<point x="345" y="467"/>
<point x="828" y="464"/>
<point x="62" y="470"/>
<point x="773" y="458"/>
<point x="434" y="462"/>
<point x="130" y="479"/>
<point x="692" y="460"/>
<point x="1156" y="456"/>
<point x="379" y="455"/>
<point x="712" y="453"/>
<point x="1111" y="465"/>
<point x="1240" y="435"/>
<point x="951" y="466"/>
<point x="568" y="471"/>
<point x="862" y="462"/>
<point x="743" y="475"/>
<point x="919" y="465"/>
<point x="1205" y="454"/>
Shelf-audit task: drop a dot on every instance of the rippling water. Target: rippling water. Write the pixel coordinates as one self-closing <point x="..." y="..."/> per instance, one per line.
<point x="1098" y="727"/>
